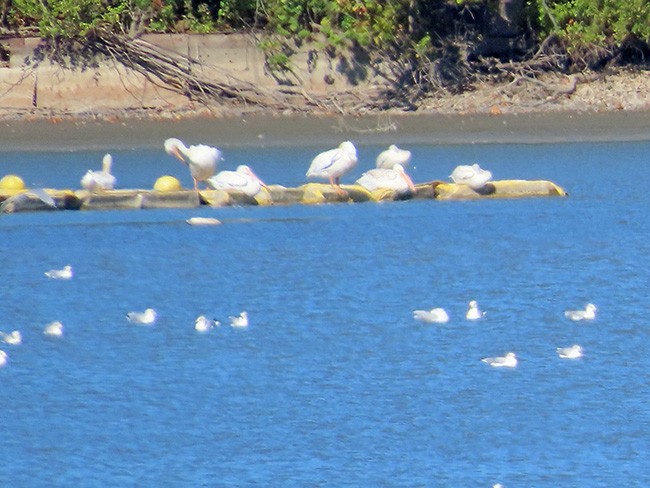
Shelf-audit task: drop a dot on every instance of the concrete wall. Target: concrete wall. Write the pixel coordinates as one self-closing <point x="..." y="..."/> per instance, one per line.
<point x="223" y="57"/>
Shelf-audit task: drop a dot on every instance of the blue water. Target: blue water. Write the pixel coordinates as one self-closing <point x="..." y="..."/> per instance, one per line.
<point x="333" y="383"/>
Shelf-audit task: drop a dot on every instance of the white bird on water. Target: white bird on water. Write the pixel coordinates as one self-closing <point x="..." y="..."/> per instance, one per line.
<point x="571" y="352"/>
<point x="589" y="313"/>
<point x="204" y="324"/>
<point x="435" y="315"/>
<point x="3" y="358"/>
<point x="14" y="338"/>
<point x="100" y="180"/>
<point x="333" y="164"/>
<point x="392" y="156"/>
<point x="473" y="312"/>
<point x="60" y="274"/>
<point x="240" y="320"/>
<point x="242" y="179"/>
<point x="54" y="329"/>
<point x="473" y="176"/>
<point x="394" y="179"/>
<point x="507" y="361"/>
<point x="148" y="317"/>
<point x="202" y="160"/>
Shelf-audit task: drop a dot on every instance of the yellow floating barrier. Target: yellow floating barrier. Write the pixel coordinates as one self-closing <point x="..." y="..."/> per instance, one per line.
<point x="497" y="189"/>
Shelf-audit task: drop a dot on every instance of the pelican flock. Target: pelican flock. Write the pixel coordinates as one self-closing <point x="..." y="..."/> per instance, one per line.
<point x="201" y="159"/>
<point x="100" y="180"/>
<point x="333" y="164"/>
<point x="392" y="156"/>
<point x="242" y="179"/>
<point x="394" y="179"/>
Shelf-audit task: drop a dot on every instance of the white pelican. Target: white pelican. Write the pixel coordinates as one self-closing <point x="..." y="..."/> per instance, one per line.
<point x="589" y="313"/>
<point x="334" y="163"/>
<point x="14" y="338"/>
<point x="60" y="274"/>
<point x="240" y="320"/>
<point x="473" y="176"/>
<point x="571" y="352"/>
<point x="202" y="160"/>
<point x="54" y="329"/>
<point x="473" y="312"/>
<point x="204" y="324"/>
<point x="242" y="179"/>
<point x="100" y="180"/>
<point x="148" y="317"/>
<point x="507" y="361"/>
<point x="435" y="315"/>
<point x="203" y="221"/>
<point x="393" y="179"/>
<point x="392" y="156"/>
<point x="3" y="358"/>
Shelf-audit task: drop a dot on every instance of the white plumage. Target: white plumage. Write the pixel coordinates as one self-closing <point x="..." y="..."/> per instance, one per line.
<point x="148" y="317"/>
<point x="394" y="179"/>
<point x="571" y="352"/>
<point x="3" y="358"/>
<point x="202" y="160"/>
<point x="392" y="156"/>
<point x="334" y="163"/>
<point x="473" y="176"/>
<point x="240" y="320"/>
<point x="243" y="179"/>
<point x="435" y="315"/>
<point x="507" y="361"/>
<point x="60" y="274"/>
<point x="473" y="311"/>
<point x="54" y="329"/>
<point x="100" y="180"/>
<point x="589" y="313"/>
<point x="204" y="324"/>
<point x="14" y="338"/>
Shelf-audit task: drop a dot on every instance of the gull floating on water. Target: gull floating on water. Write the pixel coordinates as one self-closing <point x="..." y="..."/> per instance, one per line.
<point x="54" y="329"/>
<point x="571" y="352"/>
<point x="334" y="163"/>
<point x="148" y="317"/>
<point x="60" y="274"/>
<point x="204" y="324"/>
<point x="435" y="315"/>
<point x="242" y="179"/>
<point x="14" y="338"/>
<point x="507" y="361"/>
<point x="394" y="179"/>
<point x="203" y="221"/>
<point x="589" y="313"/>
<point x="3" y="358"/>
<point x="392" y="156"/>
<point x="473" y="312"/>
<point x="473" y="176"/>
<point x="240" y="320"/>
<point x="100" y="180"/>
<point x="202" y="160"/>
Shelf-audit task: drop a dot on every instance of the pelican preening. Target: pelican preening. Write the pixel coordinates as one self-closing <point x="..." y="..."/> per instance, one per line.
<point x="60" y="274"/>
<point x="473" y="176"/>
<point x="435" y="315"/>
<point x="242" y="179"/>
<point x="392" y="156"/>
<point x="202" y="160"/>
<point x="394" y="179"/>
<point x="148" y="317"/>
<point x="100" y="180"/>
<point x="589" y="313"/>
<point x="14" y="338"/>
<point x="507" y="361"/>
<point x="333" y="164"/>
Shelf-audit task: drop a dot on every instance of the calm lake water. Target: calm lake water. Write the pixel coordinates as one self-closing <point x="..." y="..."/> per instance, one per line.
<point x="333" y="383"/>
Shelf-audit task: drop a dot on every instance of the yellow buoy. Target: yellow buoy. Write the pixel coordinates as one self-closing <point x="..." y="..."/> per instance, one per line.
<point x="167" y="183"/>
<point x="12" y="182"/>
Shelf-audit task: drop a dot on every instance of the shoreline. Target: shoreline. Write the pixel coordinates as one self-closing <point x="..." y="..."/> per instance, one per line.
<point x="255" y="129"/>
